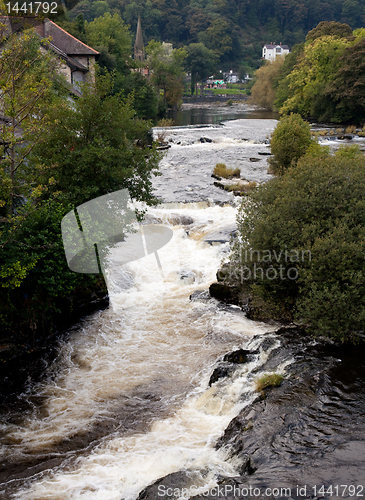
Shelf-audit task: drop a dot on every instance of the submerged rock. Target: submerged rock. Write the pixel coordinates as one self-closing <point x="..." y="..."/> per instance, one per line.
<point x="200" y="296"/>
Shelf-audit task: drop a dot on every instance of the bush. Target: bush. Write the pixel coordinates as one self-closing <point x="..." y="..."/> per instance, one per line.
<point x="220" y="170"/>
<point x="289" y="141"/>
<point x="301" y="244"/>
<point x="165" y="122"/>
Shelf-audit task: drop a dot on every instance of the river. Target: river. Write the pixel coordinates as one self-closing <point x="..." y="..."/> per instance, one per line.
<point x="128" y="400"/>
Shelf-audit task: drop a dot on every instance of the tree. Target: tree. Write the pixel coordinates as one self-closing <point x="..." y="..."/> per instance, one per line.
<point x="329" y="28"/>
<point x="98" y="146"/>
<point x="144" y="96"/>
<point x="289" y="141"/>
<point x="166" y="68"/>
<point x="112" y="33"/>
<point x="282" y="90"/>
<point x="200" y="62"/>
<point x="30" y="86"/>
<point x="311" y="75"/>
<point x="218" y="37"/>
<point x="263" y="91"/>
<point x="347" y="88"/>
<point x="301" y="243"/>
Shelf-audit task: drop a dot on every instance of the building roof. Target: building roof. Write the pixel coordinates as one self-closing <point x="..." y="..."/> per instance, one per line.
<point x="138" y="45"/>
<point x="270" y="46"/>
<point x="47" y="28"/>
<point x="63" y="40"/>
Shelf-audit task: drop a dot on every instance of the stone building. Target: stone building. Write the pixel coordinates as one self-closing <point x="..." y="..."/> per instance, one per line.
<point x="77" y="60"/>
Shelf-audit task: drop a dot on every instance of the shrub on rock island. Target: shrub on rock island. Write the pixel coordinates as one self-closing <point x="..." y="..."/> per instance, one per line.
<point x="300" y="250"/>
<point x="289" y="141"/>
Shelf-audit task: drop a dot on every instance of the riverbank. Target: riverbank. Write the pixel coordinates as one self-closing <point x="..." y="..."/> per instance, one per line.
<point x="23" y="360"/>
<point x="215" y="99"/>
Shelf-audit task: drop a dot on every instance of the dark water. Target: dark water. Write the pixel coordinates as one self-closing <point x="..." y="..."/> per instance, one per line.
<point x="213" y="114"/>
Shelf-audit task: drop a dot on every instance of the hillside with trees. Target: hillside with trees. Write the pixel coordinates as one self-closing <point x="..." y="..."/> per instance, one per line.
<point x="322" y="79"/>
<point x="234" y="29"/>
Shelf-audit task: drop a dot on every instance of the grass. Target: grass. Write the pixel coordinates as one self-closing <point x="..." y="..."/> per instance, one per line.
<point x="228" y="91"/>
<point x="351" y="129"/>
<point x="242" y="188"/>
<point x="323" y="132"/>
<point x="165" y="122"/>
<point x="268" y="380"/>
<point x="220" y="170"/>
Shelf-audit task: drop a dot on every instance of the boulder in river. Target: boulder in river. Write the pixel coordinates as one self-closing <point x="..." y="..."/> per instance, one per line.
<point x="227" y="366"/>
<point x="180" y="220"/>
<point x="200" y="296"/>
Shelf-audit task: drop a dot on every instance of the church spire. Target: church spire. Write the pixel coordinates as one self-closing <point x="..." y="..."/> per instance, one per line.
<point x="138" y="45"/>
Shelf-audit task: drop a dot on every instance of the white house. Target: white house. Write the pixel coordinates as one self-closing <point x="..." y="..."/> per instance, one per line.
<point x="269" y="52"/>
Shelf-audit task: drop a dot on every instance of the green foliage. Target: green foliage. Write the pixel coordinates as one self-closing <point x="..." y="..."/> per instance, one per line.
<point x="99" y="146"/>
<point x="301" y="244"/>
<point x="289" y="141"/>
<point x="309" y="78"/>
<point x="281" y="84"/>
<point x="268" y="380"/>
<point x="324" y="79"/>
<point x="56" y="154"/>
<point x="347" y="89"/>
<point x="329" y="28"/>
<point x="30" y="86"/>
<point x="12" y="276"/>
<point x="140" y="89"/>
<point x="217" y="37"/>
<point x="37" y="284"/>
<point x="235" y="31"/>
<point x="111" y="33"/>
<point x="166" y="64"/>
<point x="200" y="62"/>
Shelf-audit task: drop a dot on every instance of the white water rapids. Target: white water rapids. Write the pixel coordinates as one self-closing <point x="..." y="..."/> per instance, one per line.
<point x="141" y="368"/>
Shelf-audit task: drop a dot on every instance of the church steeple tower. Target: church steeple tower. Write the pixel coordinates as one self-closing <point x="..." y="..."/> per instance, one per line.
<point x="138" y="45"/>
